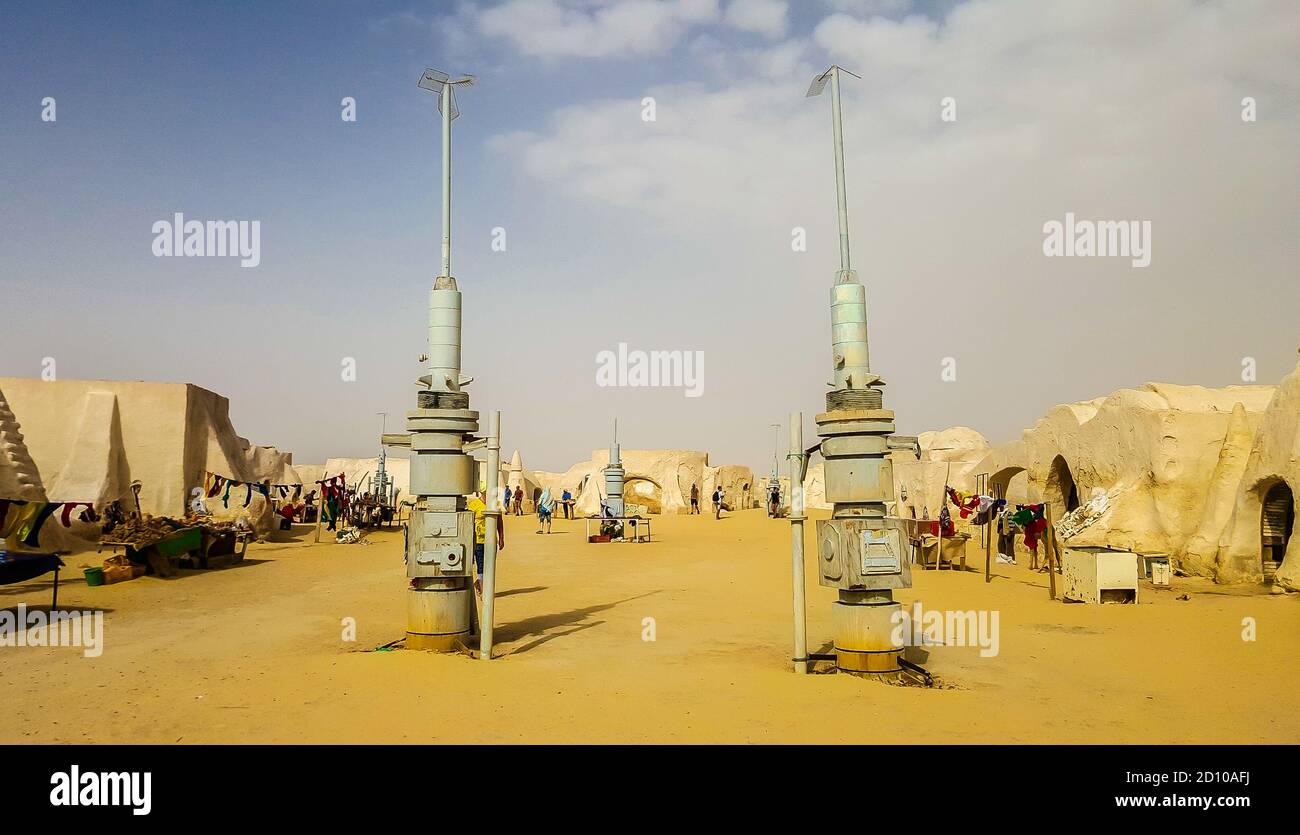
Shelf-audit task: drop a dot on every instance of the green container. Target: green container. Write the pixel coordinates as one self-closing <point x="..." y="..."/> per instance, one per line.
<point x="94" y="576"/>
<point x="181" y="542"/>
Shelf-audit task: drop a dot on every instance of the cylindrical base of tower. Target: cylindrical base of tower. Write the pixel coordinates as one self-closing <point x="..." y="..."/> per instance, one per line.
<point x="438" y="614"/>
<point x="864" y="628"/>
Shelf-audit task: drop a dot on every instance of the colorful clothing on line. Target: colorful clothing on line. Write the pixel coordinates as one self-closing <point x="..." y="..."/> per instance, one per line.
<point x="30" y="532"/>
<point x="1030" y="517"/>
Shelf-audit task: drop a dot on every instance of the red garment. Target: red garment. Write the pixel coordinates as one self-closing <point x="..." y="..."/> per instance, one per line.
<point x="1032" y="531"/>
<point x="968" y="507"/>
<point x="67" y="510"/>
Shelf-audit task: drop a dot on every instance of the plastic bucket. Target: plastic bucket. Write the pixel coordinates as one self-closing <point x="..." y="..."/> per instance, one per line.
<point x="94" y="576"/>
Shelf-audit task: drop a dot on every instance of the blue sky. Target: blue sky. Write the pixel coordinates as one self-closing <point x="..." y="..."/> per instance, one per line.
<point x="671" y="235"/>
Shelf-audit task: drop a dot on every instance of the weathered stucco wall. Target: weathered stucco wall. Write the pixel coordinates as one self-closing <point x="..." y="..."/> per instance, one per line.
<point x="91" y="438"/>
<point x="1173" y="461"/>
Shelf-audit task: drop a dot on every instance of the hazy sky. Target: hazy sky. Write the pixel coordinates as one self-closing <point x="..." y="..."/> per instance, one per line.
<point x="671" y="234"/>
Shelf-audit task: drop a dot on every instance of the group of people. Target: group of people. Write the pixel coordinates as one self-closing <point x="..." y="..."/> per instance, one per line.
<point x="512" y="501"/>
<point x="719" y="501"/>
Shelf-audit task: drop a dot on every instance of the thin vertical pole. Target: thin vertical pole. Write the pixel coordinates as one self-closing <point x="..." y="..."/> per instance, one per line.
<point x="446" y="179"/>
<point x="795" y="457"/>
<point x="1049" y="546"/>
<point x="320" y="510"/>
<point x="988" y="559"/>
<point x="839" y="169"/>
<point x="490" y="536"/>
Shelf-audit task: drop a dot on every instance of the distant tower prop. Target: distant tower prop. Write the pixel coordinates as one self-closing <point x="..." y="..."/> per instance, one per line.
<point x="382" y="483"/>
<point x="614" y="476"/>
<point x="859" y="551"/>
<point x="440" y="607"/>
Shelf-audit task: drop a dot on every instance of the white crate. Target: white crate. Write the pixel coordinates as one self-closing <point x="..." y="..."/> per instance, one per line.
<point x="1099" y="575"/>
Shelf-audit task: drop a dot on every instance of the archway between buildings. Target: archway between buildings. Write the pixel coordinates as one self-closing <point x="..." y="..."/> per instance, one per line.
<point x="1277" y="522"/>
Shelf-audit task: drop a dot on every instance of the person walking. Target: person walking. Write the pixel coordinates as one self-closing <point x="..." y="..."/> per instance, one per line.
<point x="695" y="499"/>
<point x="717" y="502"/>
<point x="519" y="501"/>
<point x="545" y="511"/>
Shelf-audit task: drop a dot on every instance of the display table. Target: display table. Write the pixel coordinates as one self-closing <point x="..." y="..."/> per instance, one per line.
<point x="635" y="528"/>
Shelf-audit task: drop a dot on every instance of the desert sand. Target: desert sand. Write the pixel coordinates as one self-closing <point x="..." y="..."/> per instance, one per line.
<point x="254" y="653"/>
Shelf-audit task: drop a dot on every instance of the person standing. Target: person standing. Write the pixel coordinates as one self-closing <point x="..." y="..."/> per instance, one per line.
<point x="545" y="511"/>
<point x="717" y="502"/>
<point x="519" y="501"/>
<point x="476" y="504"/>
<point x="695" y="499"/>
<point x="566" y="501"/>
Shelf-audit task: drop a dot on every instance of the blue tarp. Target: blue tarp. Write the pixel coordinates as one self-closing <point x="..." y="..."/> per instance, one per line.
<point x="16" y="568"/>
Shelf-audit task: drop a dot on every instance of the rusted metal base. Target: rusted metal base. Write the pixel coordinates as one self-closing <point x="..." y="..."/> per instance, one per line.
<point x="849" y="661"/>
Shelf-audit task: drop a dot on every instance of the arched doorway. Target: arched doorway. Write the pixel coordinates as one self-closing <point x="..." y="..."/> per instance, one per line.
<point x="1000" y="484"/>
<point x="1062" y="492"/>
<point x="1277" y="521"/>
<point x="643" y="491"/>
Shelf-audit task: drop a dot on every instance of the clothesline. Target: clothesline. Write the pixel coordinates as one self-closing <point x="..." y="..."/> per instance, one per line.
<point x="1030" y="517"/>
<point x="213" y="484"/>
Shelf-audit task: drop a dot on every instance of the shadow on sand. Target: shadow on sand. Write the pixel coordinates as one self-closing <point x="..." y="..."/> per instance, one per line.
<point x="539" y="626"/>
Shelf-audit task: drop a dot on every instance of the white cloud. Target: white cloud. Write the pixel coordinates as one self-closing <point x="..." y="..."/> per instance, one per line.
<point x="1108" y="109"/>
<point x="594" y="28"/>
<point x="765" y="17"/>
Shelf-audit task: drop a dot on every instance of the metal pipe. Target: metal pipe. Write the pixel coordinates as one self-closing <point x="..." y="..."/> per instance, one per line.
<point x="446" y="179"/>
<point x="490" y="535"/>
<point x="795" y="457"/>
<point x="839" y="170"/>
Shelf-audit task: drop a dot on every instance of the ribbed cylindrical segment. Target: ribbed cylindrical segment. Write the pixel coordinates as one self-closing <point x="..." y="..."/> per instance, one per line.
<point x="849" y="335"/>
<point x="444" y="339"/>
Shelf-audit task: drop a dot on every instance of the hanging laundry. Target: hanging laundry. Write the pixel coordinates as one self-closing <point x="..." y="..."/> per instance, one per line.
<point x="946" y="526"/>
<point x="1031" y="517"/>
<point x="14" y="519"/>
<point x="988" y="511"/>
<point x="30" y="532"/>
<point x="68" y="507"/>
<point x="967" y="502"/>
<point x="22" y="513"/>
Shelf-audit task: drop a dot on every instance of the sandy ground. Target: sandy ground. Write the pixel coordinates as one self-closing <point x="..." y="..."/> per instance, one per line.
<point x="254" y="653"/>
